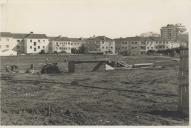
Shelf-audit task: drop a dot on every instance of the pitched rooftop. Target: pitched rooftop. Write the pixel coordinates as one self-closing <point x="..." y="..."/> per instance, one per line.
<point x="19" y="35"/>
<point x="36" y="36"/>
<point x="5" y="34"/>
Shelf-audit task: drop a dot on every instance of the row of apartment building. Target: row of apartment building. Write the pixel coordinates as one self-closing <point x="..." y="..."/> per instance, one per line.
<point x="20" y="43"/>
<point x="140" y="45"/>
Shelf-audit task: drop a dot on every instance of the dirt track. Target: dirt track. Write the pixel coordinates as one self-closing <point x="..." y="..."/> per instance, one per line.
<point x="130" y="97"/>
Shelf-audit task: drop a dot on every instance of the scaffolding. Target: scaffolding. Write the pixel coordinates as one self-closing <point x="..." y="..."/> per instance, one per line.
<point x="183" y="105"/>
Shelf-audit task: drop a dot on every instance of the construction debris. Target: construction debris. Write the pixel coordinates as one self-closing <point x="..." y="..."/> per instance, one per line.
<point x="50" y="68"/>
<point x="108" y="67"/>
<point x="143" y="65"/>
<point x="31" y="69"/>
<point x="11" y="68"/>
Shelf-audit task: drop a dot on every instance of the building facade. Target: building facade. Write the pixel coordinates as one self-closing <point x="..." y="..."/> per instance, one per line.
<point x="35" y="43"/>
<point x="60" y="44"/>
<point x="100" y="44"/>
<point x="170" y="32"/>
<point x="65" y="44"/>
<point x="141" y="45"/>
<point x="130" y="45"/>
<point x="8" y="46"/>
<point x="19" y="38"/>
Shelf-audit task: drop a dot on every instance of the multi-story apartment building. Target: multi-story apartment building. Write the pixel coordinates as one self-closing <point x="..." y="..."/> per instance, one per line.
<point x="77" y="42"/>
<point x="19" y="38"/>
<point x="23" y="43"/>
<point x="7" y="44"/>
<point x="170" y="32"/>
<point x="140" y="45"/>
<point x="65" y="44"/>
<point x="60" y="44"/>
<point x="130" y="45"/>
<point x="100" y="44"/>
<point x="35" y="43"/>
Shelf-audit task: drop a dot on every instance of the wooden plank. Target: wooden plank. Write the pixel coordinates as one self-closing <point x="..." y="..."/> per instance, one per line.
<point x="97" y="66"/>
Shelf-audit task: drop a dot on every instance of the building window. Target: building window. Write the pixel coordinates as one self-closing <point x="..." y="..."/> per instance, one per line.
<point x="38" y="40"/>
<point x="34" y="43"/>
<point x="30" y="40"/>
<point x="30" y="47"/>
<point x="44" y="40"/>
<point x="18" y="40"/>
<point x="102" y="42"/>
<point x="43" y="46"/>
<point x="34" y="49"/>
<point x="38" y="47"/>
<point x="102" y="47"/>
<point x="71" y="43"/>
<point x="68" y="42"/>
<point x="7" y="46"/>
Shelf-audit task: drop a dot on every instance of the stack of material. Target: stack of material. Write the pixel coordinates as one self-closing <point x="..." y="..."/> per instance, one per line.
<point x="50" y="69"/>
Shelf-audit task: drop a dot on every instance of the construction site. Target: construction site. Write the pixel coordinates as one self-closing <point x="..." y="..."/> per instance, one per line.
<point x="94" y="90"/>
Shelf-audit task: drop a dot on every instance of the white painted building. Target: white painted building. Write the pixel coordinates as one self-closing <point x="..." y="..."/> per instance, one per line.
<point x="60" y="44"/>
<point x="36" y="43"/>
<point x="65" y="44"/>
<point x="7" y="44"/>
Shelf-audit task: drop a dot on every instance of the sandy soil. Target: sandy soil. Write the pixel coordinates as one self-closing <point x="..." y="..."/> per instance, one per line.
<point x="128" y="97"/>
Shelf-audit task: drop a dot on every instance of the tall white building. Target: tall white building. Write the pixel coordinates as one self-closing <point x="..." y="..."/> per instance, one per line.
<point x="35" y="43"/>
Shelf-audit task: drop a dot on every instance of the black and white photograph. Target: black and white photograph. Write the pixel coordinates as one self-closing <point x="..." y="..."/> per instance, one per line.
<point x="94" y="62"/>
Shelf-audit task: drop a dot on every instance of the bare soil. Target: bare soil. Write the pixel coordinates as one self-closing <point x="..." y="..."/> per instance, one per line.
<point x="122" y="97"/>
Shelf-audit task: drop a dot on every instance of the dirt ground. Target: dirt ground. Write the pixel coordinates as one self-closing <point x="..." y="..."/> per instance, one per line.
<point x="122" y="97"/>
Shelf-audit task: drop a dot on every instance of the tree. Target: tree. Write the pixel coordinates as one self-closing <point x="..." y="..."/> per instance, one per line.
<point x="42" y="52"/>
<point x="125" y="53"/>
<point x="82" y="49"/>
<point x="74" y="51"/>
<point x="150" y="52"/>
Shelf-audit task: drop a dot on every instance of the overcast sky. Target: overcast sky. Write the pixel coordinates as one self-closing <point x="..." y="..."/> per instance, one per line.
<point x="84" y="18"/>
